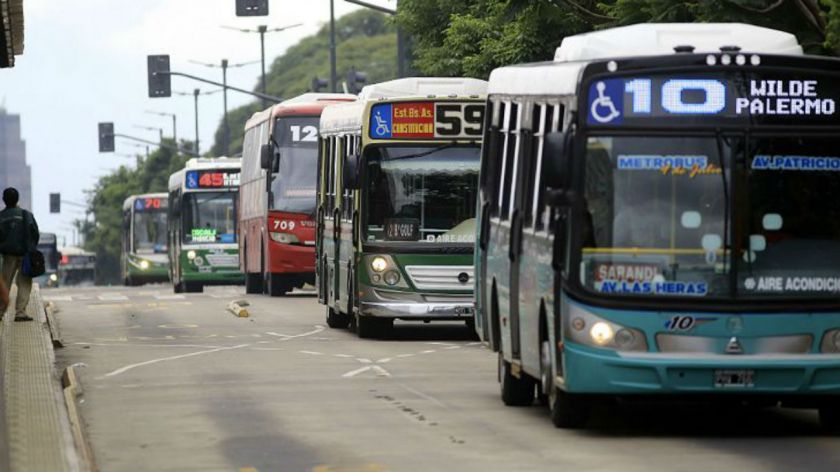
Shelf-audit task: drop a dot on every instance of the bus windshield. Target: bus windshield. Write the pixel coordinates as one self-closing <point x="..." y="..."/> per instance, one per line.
<point x="655" y="214"/>
<point x="657" y="217"/>
<point x="209" y="217"/>
<point x="421" y="193"/>
<point x="50" y="255"/>
<point x="150" y="232"/>
<point x="293" y="186"/>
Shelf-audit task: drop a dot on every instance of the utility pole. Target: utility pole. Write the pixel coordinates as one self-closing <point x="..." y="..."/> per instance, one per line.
<point x="262" y="29"/>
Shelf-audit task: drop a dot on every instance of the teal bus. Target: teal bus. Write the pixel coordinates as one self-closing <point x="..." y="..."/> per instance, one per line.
<point x="397" y="189"/>
<point x="144" y="246"/>
<point x="202" y="218"/>
<point x="657" y="222"/>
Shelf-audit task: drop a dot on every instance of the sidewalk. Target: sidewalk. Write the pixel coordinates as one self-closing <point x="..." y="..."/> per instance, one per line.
<point x="37" y="431"/>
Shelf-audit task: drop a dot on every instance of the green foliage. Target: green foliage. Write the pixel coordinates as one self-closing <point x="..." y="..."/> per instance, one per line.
<point x="104" y="234"/>
<point x="472" y="37"/>
<point x="365" y="40"/>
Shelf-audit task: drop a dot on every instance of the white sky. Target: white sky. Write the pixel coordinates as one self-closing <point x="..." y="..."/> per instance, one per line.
<point x="85" y="62"/>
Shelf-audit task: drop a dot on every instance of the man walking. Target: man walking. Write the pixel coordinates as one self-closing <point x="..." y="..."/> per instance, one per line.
<point x="18" y="235"/>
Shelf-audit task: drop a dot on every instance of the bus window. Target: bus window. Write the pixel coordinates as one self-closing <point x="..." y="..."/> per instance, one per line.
<point x="491" y="159"/>
<point x="511" y="139"/>
<point x="347" y="194"/>
<point x="293" y="186"/>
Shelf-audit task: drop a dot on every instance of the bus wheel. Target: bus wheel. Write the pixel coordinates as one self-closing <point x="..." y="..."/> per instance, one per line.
<point x="830" y="419"/>
<point x="337" y="320"/>
<point x="178" y="287"/>
<point x="253" y="283"/>
<point x="567" y="410"/>
<point x="278" y="285"/>
<point x="515" y="391"/>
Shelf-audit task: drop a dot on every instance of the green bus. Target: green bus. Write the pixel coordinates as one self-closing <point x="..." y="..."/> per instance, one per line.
<point x="144" y="255"/>
<point x="203" y="200"/>
<point x="397" y="188"/>
<point x="658" y="224"/>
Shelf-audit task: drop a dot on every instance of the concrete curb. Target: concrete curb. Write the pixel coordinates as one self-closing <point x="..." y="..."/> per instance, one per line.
<point x="72" y="390"/>
<point x="50" y="309"/>
<point x="237" y="307"/>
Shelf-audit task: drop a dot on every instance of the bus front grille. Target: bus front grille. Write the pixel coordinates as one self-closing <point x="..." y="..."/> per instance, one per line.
<point x="441" y="277"/>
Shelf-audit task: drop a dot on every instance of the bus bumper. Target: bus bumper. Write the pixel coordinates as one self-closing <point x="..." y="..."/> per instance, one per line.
<point x="596" y="371"/>
<point x="290" y="258"/>
<point x="417" y="311"/>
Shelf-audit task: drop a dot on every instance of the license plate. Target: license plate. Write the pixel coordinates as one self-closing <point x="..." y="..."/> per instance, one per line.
<point x="734" y="378"/>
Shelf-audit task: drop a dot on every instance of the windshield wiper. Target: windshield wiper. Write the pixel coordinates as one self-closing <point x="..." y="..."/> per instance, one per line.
<point x="425" y="153"/>
<point x="733" y="282"/>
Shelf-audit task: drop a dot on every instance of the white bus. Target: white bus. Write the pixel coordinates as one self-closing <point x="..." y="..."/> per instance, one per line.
<point x="203" y="248"/>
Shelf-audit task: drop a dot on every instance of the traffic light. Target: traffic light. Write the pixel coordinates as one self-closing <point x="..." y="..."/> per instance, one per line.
<point x="160" y="81"/>
<point x="355" y="80"/>
<point x="55" y="203"/>
<point x="318" y="84"/>
<point x="251" y="7"/>
<point x="106" y="137"/>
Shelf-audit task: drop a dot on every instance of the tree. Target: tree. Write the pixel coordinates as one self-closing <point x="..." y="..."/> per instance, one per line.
<point x="365" y="40"/>
<point x="472" y="37"/>
<point x="103" y="235"/>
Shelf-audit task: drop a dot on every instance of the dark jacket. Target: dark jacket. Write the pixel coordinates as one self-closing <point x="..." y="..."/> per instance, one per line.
<point x="18" y="232"/>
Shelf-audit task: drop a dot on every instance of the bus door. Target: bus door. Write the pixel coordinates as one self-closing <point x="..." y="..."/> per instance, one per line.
<point x="338" y="174"/>
<point x="320" y="270"/>
<point x="486" y="326"/>
<point x="512" y="164"/>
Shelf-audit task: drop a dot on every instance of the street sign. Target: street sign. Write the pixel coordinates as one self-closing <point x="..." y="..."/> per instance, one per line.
<point x="160" y="81"/>
<point x="106" y="137"/>
<point x="251" y="7"/>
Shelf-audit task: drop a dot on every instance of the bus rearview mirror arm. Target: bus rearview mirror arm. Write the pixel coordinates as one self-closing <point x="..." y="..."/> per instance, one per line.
<point x="269" y="157"/>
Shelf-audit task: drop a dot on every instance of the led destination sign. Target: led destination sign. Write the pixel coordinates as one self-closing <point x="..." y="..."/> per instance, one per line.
<point x="712" y="99"/>
<point x="150" y="204"/>
<point x="207" y="179"/>
<point x="426" y="120"/>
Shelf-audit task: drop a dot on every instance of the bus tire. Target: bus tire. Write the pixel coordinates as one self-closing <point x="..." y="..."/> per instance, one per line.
<point x="253" y="283"/>
<point x="278" y="285"/>
<point x="830" y="419"/>
<point x="515" y="391"/>
<point x="567" y="411"/>
<point x="178" y="287"/>
<point x="193" y="287"/>
<point x="337" y="320"/>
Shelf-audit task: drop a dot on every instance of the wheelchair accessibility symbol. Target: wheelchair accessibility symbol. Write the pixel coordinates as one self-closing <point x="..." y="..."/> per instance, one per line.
<point x="602" y="107"/>
<point x="382" y="128"/>
<point x="382" y="121"/>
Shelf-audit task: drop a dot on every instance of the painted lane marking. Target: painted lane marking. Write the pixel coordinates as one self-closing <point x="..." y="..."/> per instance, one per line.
<point x="202" y="346"/>
<point x="380" y="372"/>
<point x="112" y="297"/>
<point x="403" y="356"/>
<point x="286" y="337"/>
<point x="384" y="361"/>
<point x="125" y="369"/>
<point x="176" y="296"/>
<point x="58" y="298"/>
<point x="449" y="348"/>
<point x="343" y="356"/>
<point x="177" y="325"/>
<point x="428" y="352"/>
<point x="267" y="349"/>
<point x="312" y="353"/>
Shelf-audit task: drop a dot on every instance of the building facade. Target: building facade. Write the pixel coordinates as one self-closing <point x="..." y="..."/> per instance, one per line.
<point x="14" y="170"/>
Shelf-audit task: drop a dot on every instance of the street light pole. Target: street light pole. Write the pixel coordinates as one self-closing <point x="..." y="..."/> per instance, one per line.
<point x="333" y="67"/>
<point x="196" y="93"/>
<point x="174" y="123"/>
<point x="226" y="130"/>
<point x="262" y="29"/>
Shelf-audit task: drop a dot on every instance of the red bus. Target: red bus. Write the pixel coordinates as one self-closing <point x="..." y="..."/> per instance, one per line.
<point x="277" y="194"/>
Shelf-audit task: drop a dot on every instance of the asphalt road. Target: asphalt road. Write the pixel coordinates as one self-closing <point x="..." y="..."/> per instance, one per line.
<point x="176" y="382"/>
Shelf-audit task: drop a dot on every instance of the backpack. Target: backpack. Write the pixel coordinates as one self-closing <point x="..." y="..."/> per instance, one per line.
<point x="33" y="261"/>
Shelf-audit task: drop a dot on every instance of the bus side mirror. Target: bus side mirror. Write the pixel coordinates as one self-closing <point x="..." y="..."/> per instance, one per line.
<point x="269" y="158"/>
<point x="351" y="172"/>
<point x="556" y="168"/>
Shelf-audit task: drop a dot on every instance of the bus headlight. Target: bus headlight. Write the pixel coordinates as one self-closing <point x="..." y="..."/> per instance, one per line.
<point x="831" y="341"/>
<point x="144" y="265"/>
<point x="392" y="277"/>
<point x="379" y="264"/>
<point x="283" y="238"/>
<point x="191" y="255"/>
<point x="54" y="277"/>
<point x="602" y="333"/>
